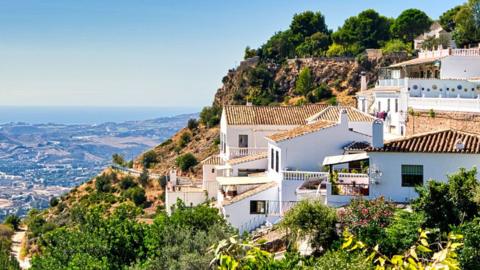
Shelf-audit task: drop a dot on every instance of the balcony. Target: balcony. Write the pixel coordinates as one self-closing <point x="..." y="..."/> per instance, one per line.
<point x="303" y="175"/>
<point x="447" y="52"/>
<point x="391" y="82"/>
<point x="237" y="152"/>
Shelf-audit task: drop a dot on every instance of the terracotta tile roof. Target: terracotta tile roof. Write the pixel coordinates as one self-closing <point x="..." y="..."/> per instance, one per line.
<point x="417" y="61"/>
<point x="250" y="193"/>
<point x="301" y="130"/>
<point x="271" y="115"/>
<point x="248" y="158"/>
<point x="213" y="160"/>
<point x="444" y="141"/>
<point x="332" y="113"/>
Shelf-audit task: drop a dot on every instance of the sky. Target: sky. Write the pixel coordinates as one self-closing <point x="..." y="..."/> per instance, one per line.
<point x="150" y="53"/>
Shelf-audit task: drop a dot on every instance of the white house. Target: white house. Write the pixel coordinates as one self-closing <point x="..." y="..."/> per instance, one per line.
<point x="440" y="80"/>
<point x="435" y="31"/>
<point x="397" y="166"/>
<point x="294" y="157"/>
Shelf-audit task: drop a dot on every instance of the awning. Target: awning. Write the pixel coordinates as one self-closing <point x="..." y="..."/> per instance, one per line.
<point x="332" y="160"/>
<point x="416" y="61"/>
<point x="246" y="180"/>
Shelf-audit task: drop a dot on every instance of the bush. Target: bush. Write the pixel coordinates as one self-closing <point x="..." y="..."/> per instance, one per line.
<point x="186" y="162"/>
<point x="118" y="159"/>
<point x="54" y="201"/>
<point x="149" y="158"/>
<point x="127" y="182"/>
<point x="470" y="255"/>
<point x="395" y="46"/>
<point x="342" y="260"/>
<point x="210" y="116"/>
<point x="192" y="124"/>
<point x="137" y="195"/>
<point x="402" y="232"/>
<point x="143" y="178"/>
<point x="311" y="219"/>
<point x="13" y="221"/>
<point x="103" y="183"/>
<point x="185" y="138"/>
<point x="166" y="142"/>
<point x="304" y="83"/>
<point x="367" y="219"/>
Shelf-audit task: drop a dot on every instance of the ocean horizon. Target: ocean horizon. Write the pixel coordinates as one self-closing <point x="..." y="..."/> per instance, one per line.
<point x="86" y="114"/>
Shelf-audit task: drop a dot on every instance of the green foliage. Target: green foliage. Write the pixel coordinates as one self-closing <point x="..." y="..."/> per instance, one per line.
<point x="338" y="50"/>
<point x="367" y="219"/>
<point x="37" y="225"/>
<point x="137" y="195"/>
<point x="54" y="201"/>
<point x="467" y="24"/>
<point x="210" y="116"/>
<point x="166" y="142"/>
<point x="192" y="124"/>
<point x="308" y="23"/>
<point x="396" y="45"/>
<point x="402" y="232"/>
<point x="342" y="260"/>
<point x="304" y="83"/>
<point x="12" y="221"/>
<point x="447" y="204"/>
<point x="143" y="178"/>
<point x="249" y="53"/>
<point x="127" y="182"/>
<point x="149" y="158"/>
<point x="311" y="219"/>
<point x="432" y="43"/>
<point x="447" y="19"/>
<point x="314" y="46"/>
<point x="118" y="159"/>
<point x="103" y="182"/>
<point x="410" y="24"/>
<point x="367" y="30"/>
<point x="470" y="254"/>
<point x="185" y="138"/>
<point x="7" y="261"/>
<point x="186" y="161"/>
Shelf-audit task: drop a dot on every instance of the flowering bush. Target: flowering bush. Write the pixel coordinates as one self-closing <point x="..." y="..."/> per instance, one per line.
<point x="366" y="219"/>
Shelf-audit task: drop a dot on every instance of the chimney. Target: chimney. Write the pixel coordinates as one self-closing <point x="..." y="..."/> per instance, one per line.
<point x="377" y="134"/>
<point x="363" y="81"/>
<point x="343" y="118"/>
<point x="173" y="177"/>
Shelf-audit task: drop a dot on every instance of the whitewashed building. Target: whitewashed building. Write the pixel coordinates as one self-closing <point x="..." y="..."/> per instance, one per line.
<point x="440" y="80"/>
<point x="436" y="31"/>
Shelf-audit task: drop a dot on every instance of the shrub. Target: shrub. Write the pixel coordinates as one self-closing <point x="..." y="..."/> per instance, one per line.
<point x="54" y="201"/>
<point x="137" y="195"/>
<point x="103" y="183"/>
<point x="13" y="221"/>
<point x="143" y="178"/>
<point x="470" y="255"/>
<point x="186" y="162"/>
<point x="367" y="219"/>
<point x="166" y="142"/>
<point x="402" y="232"/>
<point x="311" y="219"/>
<point x="304" y="83"/>
<point x="127" y="182"/>
<point x="192" y="124"/>
<point x="396" y="45"/>
<point x="342" y="260"/>
<point x="118" y="159"/>
<point x="185" y="138"/>
<point x="149" y="158"/>
<point x="210" y="116"/>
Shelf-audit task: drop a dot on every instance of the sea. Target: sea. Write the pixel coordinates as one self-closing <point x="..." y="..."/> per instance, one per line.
<point x="86" y="115"/>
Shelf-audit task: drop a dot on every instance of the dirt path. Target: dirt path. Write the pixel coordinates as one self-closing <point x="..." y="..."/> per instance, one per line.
<point x="17" y="239"/>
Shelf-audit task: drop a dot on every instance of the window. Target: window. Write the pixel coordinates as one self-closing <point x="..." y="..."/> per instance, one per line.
<point x="276" y="161"/>
<point x="379" y="106"/>
<point x="243" y="141"/>
<point x="258" y="207"/>
<point x="363" y="105"/>
<point x="412" y="175"/>
<point x="396" y="105"/>
<point x="388" y="105"/>
<point x="213" y="170"/>
<point x="272" y="159"/>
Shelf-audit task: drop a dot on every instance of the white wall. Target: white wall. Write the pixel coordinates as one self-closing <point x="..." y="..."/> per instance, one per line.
<point x="435" y="166"/>
<point x="189" y="198"/>
<point x="460" y="67"/>
<point x="238" y="213"/>
<point x="259" y="164"/>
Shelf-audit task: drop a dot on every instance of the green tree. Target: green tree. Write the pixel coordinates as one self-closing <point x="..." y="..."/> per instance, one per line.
<point x="470" y="254"/>
<point x="185" y="138"/>
<point x="368" y="29"/>
<point x="127" y="182"/>
<point x="144" y="177"/>
<point x="210" y="116"/>
<point x="304" y="83"/>
<point x="249" y="53"/>
<point x="12" y="221"/>
<point x="192" y="124"/>
<point x="447" y="19"/>
<point x="311" y="219"/>
<point x="467" y="24"/>
<point x="314" y="46"/>
<point x="137" y="195"/>
<point x="103" y="183"/>
<point x="410" y="24"/>
<point x="186" y="161"/>
<point x="118" y="159"/>
<point x="149" y="158"/>
<point x="396" y="45"/>
<point x="279" y="47"/>
<point x="308" y="23"/>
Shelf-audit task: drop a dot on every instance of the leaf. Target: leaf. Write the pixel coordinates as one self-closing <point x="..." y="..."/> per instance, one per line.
<point x="347" y="243"/>
<point x="424" y="242"/>
<point x="424" y="249"/>
<point x="413" y="253"/>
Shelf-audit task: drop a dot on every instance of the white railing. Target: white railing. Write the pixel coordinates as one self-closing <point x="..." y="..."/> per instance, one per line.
<point x="359" y="178"/>
<point x="303" y="175"/>
<point x="391" y="82"/>
<point x="447" y="52"/>
<point x="466" y="52"/>
<point x="445" y="104"/>
<point x="236" y="152"/>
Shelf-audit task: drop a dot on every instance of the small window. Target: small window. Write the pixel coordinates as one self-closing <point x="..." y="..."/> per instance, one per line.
<point x="272" y="159"/>
<point x="243" y="141"/>
<point x="388" y="105"/>
<point x="396" y="105"/>
<point x="213" y="170"/>
<point x="276" y="161"/>
<point x="258" y="207"/>
<point x="412" y="175"/>
<point x="379" y="106"/>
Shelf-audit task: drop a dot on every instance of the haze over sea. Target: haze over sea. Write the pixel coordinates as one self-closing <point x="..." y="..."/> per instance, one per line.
<point x="86" y="115"/>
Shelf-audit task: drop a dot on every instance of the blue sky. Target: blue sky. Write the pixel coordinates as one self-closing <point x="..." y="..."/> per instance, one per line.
<point x="145" y="52"/>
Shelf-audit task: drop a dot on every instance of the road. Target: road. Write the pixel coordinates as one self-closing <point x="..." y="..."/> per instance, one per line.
<point x="17" y="238"/>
